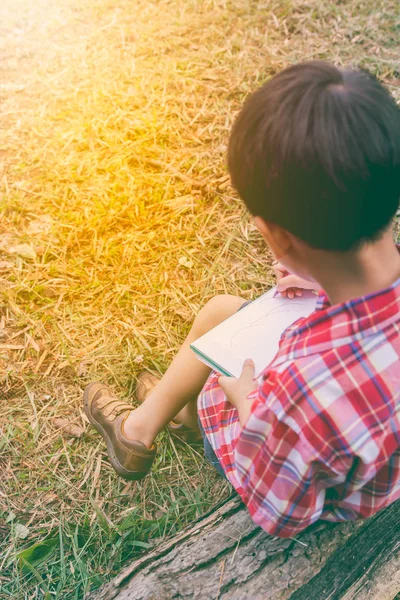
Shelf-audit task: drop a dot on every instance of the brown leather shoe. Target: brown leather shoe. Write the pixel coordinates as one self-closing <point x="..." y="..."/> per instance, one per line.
<point x="146" y="382"/>
<point x="131" y="459"/>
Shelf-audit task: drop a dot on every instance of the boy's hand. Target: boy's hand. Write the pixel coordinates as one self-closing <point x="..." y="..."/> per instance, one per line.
<point x="291" y="285"/>
<point x="237" y="390"/>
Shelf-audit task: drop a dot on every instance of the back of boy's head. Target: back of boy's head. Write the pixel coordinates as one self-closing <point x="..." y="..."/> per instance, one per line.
<point x="316" y="150"/>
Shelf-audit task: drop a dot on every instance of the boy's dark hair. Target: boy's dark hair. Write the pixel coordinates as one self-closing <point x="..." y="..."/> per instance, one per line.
<point x="316" y="150"/>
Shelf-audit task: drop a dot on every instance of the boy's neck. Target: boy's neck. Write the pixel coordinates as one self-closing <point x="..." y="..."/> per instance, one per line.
<point x="345" y="276"/>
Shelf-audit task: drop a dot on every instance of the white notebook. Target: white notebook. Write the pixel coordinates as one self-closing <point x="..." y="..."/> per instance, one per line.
<point x="253" y="332"/>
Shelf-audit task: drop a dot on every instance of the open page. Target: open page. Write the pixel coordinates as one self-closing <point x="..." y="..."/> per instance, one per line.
<point x="253" y="332"/>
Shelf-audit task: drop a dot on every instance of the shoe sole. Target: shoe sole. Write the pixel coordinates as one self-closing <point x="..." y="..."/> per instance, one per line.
<point x="124" y="473"/>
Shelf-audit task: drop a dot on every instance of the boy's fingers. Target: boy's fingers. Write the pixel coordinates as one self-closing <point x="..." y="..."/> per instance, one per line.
<point x="247" y="372"/>
<point x="288" y="282"/>
<point x="292" y="292"/>
<point x="279" y="270"/>
<point x="293" y="281"/>
<point x="248" y="368"/>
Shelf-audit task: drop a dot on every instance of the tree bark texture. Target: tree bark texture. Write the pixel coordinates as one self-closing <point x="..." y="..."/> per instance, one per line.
<point x="224" y="555"/>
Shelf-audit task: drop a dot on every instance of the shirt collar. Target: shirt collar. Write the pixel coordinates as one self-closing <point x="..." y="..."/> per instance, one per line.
<point x="334" y="325"/>
<point x="322" y="301"/>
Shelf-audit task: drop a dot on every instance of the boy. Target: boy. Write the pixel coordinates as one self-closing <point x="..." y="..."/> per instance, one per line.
<point x="315" y="155"/>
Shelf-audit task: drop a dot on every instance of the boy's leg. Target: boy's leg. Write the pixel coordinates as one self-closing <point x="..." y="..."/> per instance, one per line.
<point x="183" y="380"/>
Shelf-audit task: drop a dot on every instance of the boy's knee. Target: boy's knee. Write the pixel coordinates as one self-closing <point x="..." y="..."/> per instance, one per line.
<point x="216" y="310"/>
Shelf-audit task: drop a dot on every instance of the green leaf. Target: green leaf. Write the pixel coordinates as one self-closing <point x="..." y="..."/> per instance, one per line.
<point x="139" y="544"/>
<point x="38" y="553"/>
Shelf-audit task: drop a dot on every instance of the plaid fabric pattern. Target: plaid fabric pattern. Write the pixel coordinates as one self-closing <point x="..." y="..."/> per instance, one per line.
<point x="323" y="437"/>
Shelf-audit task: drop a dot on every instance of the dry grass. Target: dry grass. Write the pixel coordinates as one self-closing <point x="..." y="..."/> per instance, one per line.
<point x="116" y="117"/>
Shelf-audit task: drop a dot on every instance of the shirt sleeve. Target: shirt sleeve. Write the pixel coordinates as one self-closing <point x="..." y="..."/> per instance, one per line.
<point x="282" y="482"/>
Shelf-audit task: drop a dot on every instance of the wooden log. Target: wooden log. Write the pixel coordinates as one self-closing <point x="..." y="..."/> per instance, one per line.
<point x="225" y="556"/>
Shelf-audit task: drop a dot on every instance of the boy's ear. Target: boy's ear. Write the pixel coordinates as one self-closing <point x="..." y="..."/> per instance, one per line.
<point x="277" y="238"/>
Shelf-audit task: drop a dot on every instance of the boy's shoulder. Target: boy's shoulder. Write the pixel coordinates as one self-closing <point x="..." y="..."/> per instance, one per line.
<point x="339" y="406"/>
<point x="334" y="380"/>
<point x="361" y="324"/>
<point x="337" y="371"/>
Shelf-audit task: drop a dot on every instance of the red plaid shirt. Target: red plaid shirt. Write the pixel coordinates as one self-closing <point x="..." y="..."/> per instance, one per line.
<point x="323" y="437"/>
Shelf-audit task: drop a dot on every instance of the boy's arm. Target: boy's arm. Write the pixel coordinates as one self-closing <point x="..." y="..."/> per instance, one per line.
<point x="238" y="389"/>
<point x="275" y="465"/>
